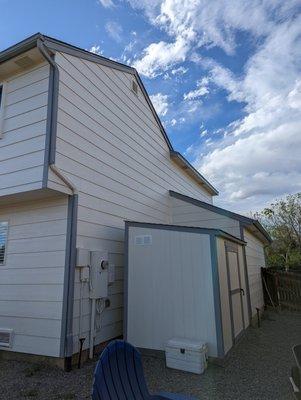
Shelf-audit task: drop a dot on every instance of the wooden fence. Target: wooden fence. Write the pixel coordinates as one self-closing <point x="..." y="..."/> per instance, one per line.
<point x="282" y="289"/>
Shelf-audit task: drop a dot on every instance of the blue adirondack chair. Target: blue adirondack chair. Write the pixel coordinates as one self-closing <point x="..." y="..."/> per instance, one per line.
<point x="119" y="376"/>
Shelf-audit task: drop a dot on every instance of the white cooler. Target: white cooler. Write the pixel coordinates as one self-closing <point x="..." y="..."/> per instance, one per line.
<point x="186" y="355"/>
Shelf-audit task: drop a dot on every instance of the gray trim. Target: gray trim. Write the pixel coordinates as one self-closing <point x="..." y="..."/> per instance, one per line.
<point x="58" y="45"/>
<point x="125" y="281"/>
<point x="182" y="228"/>
<point x="246" y="275"/>
<point x="217" y="298"/>
<point x="154" y="112"/>
<point x="52" y="111"/>
<point x="210" y="207"/>
<point x="66" y="345"/>
<point x="19" y="48"/>
<point x="48" y="128"/>
<point x="226" y="213"/>
<point x="187" y="166"/>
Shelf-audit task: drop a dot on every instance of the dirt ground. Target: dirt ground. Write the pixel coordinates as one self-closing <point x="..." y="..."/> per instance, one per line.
<point x="258" y="368"/>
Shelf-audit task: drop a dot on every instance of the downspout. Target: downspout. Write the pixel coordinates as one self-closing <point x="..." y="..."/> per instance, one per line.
<point x="66" y="349"/>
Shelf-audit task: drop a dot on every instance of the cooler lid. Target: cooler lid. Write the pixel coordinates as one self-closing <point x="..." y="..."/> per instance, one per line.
<point x="185" y="343"/>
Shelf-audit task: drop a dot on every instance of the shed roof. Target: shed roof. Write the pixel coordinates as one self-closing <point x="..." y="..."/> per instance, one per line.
<point x="183" y="228"/>
<point x="57" y="45"/>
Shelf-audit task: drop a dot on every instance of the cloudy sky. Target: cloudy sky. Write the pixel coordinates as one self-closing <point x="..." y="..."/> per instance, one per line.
<point x="224" y="76"/>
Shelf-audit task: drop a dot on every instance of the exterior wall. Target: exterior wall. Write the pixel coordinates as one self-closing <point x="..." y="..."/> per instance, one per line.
<point x="186" y="214"/>
<point x="31" y="280"/>
<point x="255" y="260"/>
<point x="110" y="147"/>
<point x="170" y="289"/>
<point x="23" y="128"/>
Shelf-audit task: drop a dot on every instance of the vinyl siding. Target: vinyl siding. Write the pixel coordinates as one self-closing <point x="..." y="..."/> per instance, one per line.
<point x="110" y="147"/>
<point x="31" y="280"/>
<point x="255" y="260"/>
<point x="23" y="128"/>
<point x="184" y="213"/>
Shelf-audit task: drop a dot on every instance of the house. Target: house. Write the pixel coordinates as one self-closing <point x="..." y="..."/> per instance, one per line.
<point x="82" y="150"/>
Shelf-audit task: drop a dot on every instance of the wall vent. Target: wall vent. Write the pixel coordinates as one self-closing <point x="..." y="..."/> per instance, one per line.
<point x="24" y="62"/>
<point x="135" y="87"/>
<point x="6" y="337"/>
<point x="143" y="240"/>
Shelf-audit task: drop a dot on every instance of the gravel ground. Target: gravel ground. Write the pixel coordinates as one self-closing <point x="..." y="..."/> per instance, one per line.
<point x="257" y="368"/>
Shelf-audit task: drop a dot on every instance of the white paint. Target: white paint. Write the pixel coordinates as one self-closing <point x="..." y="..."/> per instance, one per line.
<point x="31" y="281"/>
<point x="255" y="261"/>
<point x="23" y="131"/>
<point x="110" y="146"/>
<point x="170" y="289"/>
<point x="187" y="214"/>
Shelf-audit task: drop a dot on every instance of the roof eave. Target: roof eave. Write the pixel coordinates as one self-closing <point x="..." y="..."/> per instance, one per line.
<point x="19" y="48"/>
<point x="184" y="164"/>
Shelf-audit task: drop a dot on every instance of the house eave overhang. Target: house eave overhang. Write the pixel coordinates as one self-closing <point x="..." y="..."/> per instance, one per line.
<point x="191" y="171"/>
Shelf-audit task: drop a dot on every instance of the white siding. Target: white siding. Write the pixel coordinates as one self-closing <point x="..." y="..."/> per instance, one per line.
<point x="185" y="213"/>
<point x="255" y="260"/>
<point x="110" y="147"/>
<point x="170" y="289"/>
<point x="22" y="146"/>
<point x="31" y="280"/>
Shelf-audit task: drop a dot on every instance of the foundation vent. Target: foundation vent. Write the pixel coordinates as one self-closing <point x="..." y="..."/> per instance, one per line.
<point x="6" y="337"/>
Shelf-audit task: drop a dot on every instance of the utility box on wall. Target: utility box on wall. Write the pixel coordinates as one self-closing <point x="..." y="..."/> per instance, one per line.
<point x="177" y="285"/>
<point x="99" y="270"/>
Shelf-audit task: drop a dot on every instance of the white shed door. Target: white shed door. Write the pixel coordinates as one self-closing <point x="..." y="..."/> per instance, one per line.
<point x="235" y="293"/>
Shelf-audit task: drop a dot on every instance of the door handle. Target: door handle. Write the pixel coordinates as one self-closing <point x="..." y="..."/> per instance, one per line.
<point x="242" y="291"/>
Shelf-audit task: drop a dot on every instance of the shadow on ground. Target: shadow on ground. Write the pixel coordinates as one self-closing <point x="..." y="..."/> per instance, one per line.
<point x="258" y="368"/>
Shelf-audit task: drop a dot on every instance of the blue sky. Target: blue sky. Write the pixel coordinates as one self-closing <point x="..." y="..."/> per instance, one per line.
<point x="223" y="75"/>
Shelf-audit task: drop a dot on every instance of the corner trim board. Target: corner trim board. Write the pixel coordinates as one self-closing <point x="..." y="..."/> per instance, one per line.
<point x="246" y="275"/>
<point x="217" y="298"/>
<point x="126" y="280"/>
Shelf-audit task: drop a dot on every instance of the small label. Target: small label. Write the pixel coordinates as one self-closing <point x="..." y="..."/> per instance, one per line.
<point x="143" y="240"/>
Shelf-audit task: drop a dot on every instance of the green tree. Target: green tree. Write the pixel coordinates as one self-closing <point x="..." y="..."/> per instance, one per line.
<point x="282" y="220"/>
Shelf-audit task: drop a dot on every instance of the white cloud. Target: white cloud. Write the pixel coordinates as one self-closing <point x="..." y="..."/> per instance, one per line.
<point x="201" y="90"/>
<point x="258" y="157"/>
<point x="96" y="50"/>
<point x="107" y="3"/>
<point x="201" y="23"/>
<point x="160" y="102"/>
<point x="114" y="30"/>
<point x="179" y="71"/>
<point x="158" y="57"/>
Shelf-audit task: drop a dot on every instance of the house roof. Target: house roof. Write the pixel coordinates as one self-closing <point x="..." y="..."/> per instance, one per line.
<point x="246" y="221"/>
<point x="58" y="45"/>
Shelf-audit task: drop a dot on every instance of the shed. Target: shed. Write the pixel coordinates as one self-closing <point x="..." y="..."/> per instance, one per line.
<point x="184" y="282"/>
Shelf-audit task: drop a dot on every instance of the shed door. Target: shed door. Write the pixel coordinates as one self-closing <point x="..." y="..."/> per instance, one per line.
<point x="235" y="291"/>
